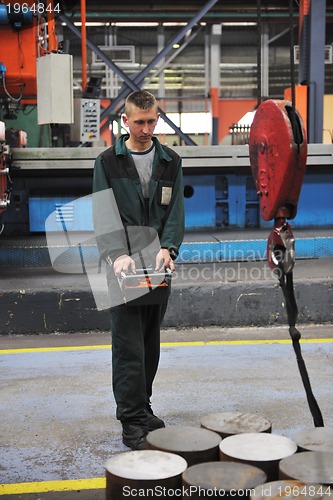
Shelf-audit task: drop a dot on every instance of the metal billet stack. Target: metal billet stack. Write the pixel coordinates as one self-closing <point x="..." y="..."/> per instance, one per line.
<point x="232" y="455"/>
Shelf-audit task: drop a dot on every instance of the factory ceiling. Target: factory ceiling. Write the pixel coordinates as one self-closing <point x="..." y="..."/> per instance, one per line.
<point x="174" y="10"/>
<point x="135" y="24"/>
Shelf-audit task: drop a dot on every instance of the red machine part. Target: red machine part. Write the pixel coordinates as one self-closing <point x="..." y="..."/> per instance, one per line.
<point x="20" y="47"/>
<point x="18" y="52"/>
<point x="278" y="152"/>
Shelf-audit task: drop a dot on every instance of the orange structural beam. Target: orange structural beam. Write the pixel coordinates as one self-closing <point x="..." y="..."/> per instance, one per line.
<point x="214" y="98"/>
<point x="105" y="133"/>
<point x="231" y="111"/>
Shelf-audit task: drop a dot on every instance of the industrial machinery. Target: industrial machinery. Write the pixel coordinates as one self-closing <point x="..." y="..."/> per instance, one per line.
<point x="218" y="187"/>
<point x="26" y="34"/>
<point x="32" y="69"/>
<point x="5" y="180"/>
<point x="9" y="138"/>
<point x="219" y="190"/>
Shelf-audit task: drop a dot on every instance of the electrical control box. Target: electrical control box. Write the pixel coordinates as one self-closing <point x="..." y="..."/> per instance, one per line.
<point x="89" y="119"/>
<point x="55" y="89"/>
<point x="86" y="120"/>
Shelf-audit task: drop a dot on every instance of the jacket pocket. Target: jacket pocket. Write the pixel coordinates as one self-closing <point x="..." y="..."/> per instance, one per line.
<point x="165" y="192"/>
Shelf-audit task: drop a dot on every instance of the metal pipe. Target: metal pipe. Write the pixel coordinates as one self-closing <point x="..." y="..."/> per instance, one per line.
<point x="51" y="28"/>
<point x="84" y="44"/>
<point x="216" y="15"/>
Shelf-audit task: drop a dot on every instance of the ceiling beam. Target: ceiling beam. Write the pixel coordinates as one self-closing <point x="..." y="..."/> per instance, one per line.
<point x="138" y="80"/>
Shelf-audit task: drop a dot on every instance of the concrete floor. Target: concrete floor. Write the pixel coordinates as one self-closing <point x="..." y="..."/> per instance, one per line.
<point x="57" y="410"/>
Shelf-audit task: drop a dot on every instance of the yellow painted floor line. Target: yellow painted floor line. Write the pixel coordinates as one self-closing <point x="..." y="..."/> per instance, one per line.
<point x="55" y="349"/>
<point x="48" y="486"/>
<point x="244" y="342"/>
<point x="166" y="344"/>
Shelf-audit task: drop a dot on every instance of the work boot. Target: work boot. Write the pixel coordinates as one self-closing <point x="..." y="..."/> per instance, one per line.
<point x="134" y="436"/>
<point x="153" y="422"/>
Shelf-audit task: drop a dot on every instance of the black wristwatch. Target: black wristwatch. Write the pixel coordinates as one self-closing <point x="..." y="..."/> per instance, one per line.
<point x="109" y="261"/>
<point x="173" y="253"/>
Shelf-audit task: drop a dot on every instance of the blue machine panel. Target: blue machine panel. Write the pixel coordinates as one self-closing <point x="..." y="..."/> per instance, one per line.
<point x="200" y="203"/>
<point x="211" y="201"/>
<point x="231" y="200"/>
<point x="315" y="207"/>
<point x="69" y="214"/>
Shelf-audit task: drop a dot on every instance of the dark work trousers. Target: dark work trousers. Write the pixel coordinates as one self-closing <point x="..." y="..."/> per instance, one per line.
<point x="135" y="357"/>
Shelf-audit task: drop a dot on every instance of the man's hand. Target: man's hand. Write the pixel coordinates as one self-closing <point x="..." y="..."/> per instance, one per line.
<point x="123" y="263"/>
<point x="164" y="260"/>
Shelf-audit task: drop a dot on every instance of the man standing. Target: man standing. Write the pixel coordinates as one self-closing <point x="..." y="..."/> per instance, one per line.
<point x="146" y="180"/>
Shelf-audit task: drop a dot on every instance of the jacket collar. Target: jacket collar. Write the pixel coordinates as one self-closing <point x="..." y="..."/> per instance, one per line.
<point x="121" y="149"/>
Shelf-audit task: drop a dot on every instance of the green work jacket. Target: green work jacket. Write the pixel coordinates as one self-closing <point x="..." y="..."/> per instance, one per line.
<point x="124" y="222"/>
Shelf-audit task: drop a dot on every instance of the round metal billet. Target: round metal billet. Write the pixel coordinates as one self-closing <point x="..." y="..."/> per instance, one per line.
<point x="290" y="489"/>
<point x="224" y="476"/>
<point x="230" y="423"/>
<point x="259" y="449"/>
<point x="308" y="467"/>
<point x="195" y="444"/>
<point x="146" y="465"/>
<point x="317" y="439"/>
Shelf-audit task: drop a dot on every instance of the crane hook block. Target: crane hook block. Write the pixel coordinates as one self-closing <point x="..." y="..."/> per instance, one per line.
<point x="278" y="152"/>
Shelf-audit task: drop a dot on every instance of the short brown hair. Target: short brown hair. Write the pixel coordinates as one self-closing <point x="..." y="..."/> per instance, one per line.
<point x="140" y="99"/>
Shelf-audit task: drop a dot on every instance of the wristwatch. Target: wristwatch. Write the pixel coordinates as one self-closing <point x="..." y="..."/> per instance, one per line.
<point x="109" y="261"/>
<point x="173" y="253"/>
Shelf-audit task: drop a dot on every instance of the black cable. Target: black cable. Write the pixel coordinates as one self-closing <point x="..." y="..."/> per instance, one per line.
<point x="286" y="283"/>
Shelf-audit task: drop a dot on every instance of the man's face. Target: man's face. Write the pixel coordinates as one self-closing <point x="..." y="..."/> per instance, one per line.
<point x="141" y="124"/>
